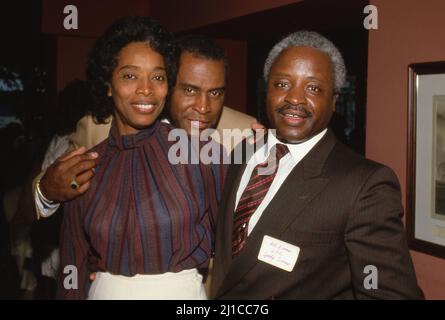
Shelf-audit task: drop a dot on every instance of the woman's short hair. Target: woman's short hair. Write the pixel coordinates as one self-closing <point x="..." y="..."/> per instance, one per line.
<point x="103" y="57"/>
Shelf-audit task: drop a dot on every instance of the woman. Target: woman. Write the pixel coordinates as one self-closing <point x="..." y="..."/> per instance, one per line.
<point x="147" y="222"/>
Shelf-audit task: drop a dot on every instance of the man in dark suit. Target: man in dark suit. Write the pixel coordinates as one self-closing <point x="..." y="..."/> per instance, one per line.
<point x="326" y="224"/>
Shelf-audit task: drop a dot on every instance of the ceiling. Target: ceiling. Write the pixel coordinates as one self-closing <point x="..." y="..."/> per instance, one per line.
<point x="325" y="16"/>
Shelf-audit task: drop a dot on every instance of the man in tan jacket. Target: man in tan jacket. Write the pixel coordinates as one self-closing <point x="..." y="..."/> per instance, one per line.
<point x="196" y="102"/>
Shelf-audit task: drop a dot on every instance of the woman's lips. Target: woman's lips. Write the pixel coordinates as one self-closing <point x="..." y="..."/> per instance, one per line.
<point x="144" y="107"/>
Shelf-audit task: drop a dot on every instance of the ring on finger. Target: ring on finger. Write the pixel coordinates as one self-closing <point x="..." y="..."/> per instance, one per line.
<point x="74" y="184"/>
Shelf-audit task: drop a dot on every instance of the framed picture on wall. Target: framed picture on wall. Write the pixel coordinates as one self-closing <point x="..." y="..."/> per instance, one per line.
<point x="426" y="158"/>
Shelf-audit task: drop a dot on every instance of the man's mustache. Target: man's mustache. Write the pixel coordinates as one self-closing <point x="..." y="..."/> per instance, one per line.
<point x="300" y="110"/>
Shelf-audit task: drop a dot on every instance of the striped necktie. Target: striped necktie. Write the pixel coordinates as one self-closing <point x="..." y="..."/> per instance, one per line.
<point x="259" y="183"/>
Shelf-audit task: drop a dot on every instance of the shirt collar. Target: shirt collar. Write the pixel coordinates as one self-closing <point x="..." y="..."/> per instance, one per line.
<point x="130" y="141"/>
<point x="298" y="151"/>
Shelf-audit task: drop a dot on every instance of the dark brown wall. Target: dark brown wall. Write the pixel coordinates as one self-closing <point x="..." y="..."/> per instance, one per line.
<point x="236" y="88"/>
<point x="72" y="55"/>
<point x="190" y="14"/>
<point x="409" y="31"/>
<point x="94" y="16"/>
<point x="73" y="45"/>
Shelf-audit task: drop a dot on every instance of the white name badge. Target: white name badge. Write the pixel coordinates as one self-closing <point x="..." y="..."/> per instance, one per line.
<point x="278" y="253"/>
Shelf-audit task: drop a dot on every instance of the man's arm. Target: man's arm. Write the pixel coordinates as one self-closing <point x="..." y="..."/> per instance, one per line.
<point x="380" y="262"/>
<point x="44" y="207"/>
<point x="54" y="185"/>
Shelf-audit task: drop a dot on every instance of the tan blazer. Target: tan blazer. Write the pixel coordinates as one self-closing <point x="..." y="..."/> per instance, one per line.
<point x="89" y="133"/>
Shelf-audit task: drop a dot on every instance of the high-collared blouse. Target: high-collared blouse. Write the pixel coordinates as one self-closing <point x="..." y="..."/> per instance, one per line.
<point x="142" y="214"/>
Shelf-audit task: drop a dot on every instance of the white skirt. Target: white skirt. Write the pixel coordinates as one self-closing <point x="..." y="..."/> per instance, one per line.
<point x="184" y="285"/>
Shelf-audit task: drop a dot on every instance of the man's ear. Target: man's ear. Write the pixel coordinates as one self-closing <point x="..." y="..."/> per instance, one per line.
<point x="109" y="93"/>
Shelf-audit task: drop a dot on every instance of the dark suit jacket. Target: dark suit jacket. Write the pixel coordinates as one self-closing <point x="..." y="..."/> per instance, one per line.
<point x="343" y="212"/>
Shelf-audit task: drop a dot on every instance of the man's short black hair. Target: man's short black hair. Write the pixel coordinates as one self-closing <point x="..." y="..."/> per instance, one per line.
<point x="203" y="47"/>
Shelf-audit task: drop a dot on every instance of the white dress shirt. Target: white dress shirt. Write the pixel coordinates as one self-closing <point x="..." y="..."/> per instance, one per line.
<point x="285" y="166"/>
<point x="58" y="146"/>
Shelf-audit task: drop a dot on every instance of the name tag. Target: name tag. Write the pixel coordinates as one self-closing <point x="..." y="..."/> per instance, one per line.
<point x="278" y="253"/>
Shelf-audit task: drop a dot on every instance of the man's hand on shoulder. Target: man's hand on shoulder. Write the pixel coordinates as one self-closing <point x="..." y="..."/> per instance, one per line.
<point x="78" y="166"/>
<point x="259" y="131"/>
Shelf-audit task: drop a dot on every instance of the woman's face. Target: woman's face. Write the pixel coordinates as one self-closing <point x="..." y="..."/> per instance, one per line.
<point x="138" y="87"/>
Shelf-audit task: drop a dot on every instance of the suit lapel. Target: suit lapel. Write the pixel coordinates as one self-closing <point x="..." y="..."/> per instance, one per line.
<point x="227" y="207"/>
<point x="299" y="188"/>
<point x="236" y="174"/>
